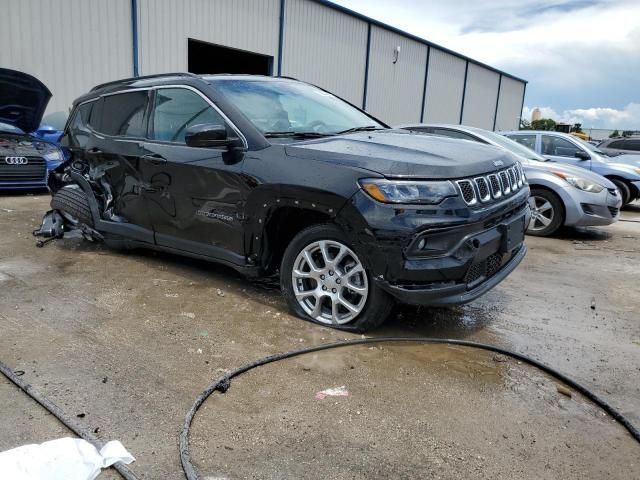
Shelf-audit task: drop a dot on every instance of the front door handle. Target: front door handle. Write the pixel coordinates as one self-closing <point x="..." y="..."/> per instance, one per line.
<point x="155" y="159"/>
<point x="94" y="151"/>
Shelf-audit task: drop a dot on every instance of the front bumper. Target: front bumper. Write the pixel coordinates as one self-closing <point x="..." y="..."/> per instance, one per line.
<point x="441" y="256"/>
<point x="585" y="209"/>
<point x="454" y="294"/>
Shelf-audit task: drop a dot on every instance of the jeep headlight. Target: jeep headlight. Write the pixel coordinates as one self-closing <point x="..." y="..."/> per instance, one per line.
<point x="579" y="182"/>
<point x="408" y="191"/>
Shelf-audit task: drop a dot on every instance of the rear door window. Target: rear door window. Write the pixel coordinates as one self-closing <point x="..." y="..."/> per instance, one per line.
<point x="617" y="144"/>
<point x="528" y="141"/>
<point x="123" y="114"/>
<point x="177" y="109"/>
<point x="557" y="146"/>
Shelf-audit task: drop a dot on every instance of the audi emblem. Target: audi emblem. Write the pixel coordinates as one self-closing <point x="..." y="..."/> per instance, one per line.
<point x="16" y="160"/>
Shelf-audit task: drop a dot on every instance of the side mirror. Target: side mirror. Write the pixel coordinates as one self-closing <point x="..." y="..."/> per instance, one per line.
<point x="582" y="155"/>
<point x="208" y="136"/>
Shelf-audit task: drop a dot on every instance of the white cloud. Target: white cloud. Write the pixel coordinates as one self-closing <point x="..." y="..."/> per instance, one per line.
<point x="575" y="53"/>
<point x="627" y="118"/>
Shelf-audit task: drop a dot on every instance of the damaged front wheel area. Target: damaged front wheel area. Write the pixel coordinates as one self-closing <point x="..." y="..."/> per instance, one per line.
<point x="70" y="210"/>
<point x="73" y="205"/>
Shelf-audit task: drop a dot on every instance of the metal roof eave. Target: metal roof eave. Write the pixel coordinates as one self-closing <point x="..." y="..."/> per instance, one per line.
<point x="380" y="24"/>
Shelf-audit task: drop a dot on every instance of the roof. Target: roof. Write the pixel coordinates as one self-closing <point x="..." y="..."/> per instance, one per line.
<point x="386" y="26"/>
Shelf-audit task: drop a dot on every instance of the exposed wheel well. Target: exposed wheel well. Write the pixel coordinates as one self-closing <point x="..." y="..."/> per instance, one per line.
<point x="283" y="225"/>
<point x="549" y="190"/>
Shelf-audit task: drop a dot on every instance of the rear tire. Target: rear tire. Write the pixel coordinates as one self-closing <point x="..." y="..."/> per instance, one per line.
<point x="547" y="213"/>
<point x="73" y="204"/>
<point x="623" y="190"/>
<point x="345" y="309"/>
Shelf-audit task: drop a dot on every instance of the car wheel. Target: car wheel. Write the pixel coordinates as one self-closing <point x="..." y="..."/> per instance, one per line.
<point x="73" y="204"/>
<point x="325" y="281"/>
<point x="546" y="212"/>
<point x="623" y="190"/>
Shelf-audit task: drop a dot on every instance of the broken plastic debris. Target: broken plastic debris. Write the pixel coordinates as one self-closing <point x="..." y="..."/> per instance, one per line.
<point x="61" y="459"/>
<point x="564" y="391"/>
<point x="332" y="392"/>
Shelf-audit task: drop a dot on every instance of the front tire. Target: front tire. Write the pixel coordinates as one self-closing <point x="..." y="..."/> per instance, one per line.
<point x="324" y="281"/>
<point x="547" y="213"/>
<point x="623" y="190"/>
<point x="73" y="204"/>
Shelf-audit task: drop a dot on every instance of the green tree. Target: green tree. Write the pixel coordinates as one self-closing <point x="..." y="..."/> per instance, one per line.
<point x="543" y="124"/>
<point x="577" y="128"/>
<point x="614" y="134"/>
<point x="525" y="124"/>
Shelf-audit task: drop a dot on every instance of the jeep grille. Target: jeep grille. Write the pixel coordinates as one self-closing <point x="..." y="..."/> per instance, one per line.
<point x="491" y="187"/>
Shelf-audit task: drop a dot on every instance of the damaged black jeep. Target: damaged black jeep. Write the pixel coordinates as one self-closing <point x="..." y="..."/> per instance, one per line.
<point x="276" y="176"/>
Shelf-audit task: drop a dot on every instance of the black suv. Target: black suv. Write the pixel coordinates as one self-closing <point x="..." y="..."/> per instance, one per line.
<point x="273" y="175"/>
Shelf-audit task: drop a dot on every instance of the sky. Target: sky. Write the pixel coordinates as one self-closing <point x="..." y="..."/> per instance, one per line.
<point x="581" y="57"/>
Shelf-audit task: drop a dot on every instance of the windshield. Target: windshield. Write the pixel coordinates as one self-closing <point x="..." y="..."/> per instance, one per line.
<point x="513" y="146"/>
<point x="589" y="146"/>
<point x="6" y="128"/>
<point x="281" y="107"/>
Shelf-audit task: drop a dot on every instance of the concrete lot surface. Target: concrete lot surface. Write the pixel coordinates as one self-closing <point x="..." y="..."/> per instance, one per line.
<point x="126" y="340"/>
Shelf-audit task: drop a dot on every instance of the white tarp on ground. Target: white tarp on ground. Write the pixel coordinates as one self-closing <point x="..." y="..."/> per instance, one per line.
<point x="62" y="459"/>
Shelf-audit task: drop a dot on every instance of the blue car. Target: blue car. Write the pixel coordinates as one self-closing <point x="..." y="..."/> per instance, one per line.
<point x="565" y="148"/>
<point x="25" y="159"/>
<point x="48" y="133"/>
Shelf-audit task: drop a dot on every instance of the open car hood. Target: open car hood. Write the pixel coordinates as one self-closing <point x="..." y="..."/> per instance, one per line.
<point x="23" y="99"/>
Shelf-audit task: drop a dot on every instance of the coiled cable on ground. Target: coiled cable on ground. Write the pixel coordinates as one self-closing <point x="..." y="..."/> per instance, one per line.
<point x="223" y="383"/>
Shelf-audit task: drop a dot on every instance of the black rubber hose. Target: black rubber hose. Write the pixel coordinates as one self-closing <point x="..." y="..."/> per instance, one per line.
<point x="224" y="382"/>
<point x="67" y="421"/>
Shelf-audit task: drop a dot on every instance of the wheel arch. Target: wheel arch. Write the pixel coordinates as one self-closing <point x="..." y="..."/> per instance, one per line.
<point x="633" y="190"/>
<point x="276" y="214"/>
<point x="557" y="195"/>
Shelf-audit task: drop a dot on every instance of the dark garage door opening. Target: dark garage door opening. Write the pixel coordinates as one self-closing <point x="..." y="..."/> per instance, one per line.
<point x="209" y="58"/>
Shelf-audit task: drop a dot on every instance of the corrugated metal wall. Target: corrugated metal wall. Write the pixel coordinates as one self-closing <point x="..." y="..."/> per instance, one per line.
<point x="394" y="92"/>
<point x="165" y="26"/>
<point x="445" y="83"/>
<point x="480" y="97"/>
<point x="70" y="46"/>
<point x="325" y="47"/>
<point x="510" y="104"/>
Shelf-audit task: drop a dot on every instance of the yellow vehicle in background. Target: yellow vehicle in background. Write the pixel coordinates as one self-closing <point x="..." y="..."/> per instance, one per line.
<point x="566" y="128"/>
<point x="581" y="136"/>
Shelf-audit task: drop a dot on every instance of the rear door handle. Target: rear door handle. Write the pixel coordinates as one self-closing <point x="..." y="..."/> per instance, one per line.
<point x="155" y="159"/>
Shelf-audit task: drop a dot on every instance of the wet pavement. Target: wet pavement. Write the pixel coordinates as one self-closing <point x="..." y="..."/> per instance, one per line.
<point x="125" y="341"/>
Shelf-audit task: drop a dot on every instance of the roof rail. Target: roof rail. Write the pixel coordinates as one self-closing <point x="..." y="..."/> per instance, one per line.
<point x="134" y="79"/>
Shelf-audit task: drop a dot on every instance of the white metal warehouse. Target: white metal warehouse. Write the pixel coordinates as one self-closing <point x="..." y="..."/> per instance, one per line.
<point x="72" y="45"/>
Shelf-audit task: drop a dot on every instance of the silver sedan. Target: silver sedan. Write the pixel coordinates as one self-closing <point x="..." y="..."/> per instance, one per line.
<point x="560" y="194"/>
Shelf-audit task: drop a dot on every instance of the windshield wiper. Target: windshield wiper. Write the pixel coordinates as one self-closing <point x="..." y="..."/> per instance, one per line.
<point x="296" y="134"/>
<point x="366" y="128"/>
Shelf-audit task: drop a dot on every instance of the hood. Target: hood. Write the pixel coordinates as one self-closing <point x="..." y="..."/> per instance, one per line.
<point x="400" y="153"/>
<point x="548" y="167"/>
<point x="23" y="100"/>
<point x="625" y="159"/>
